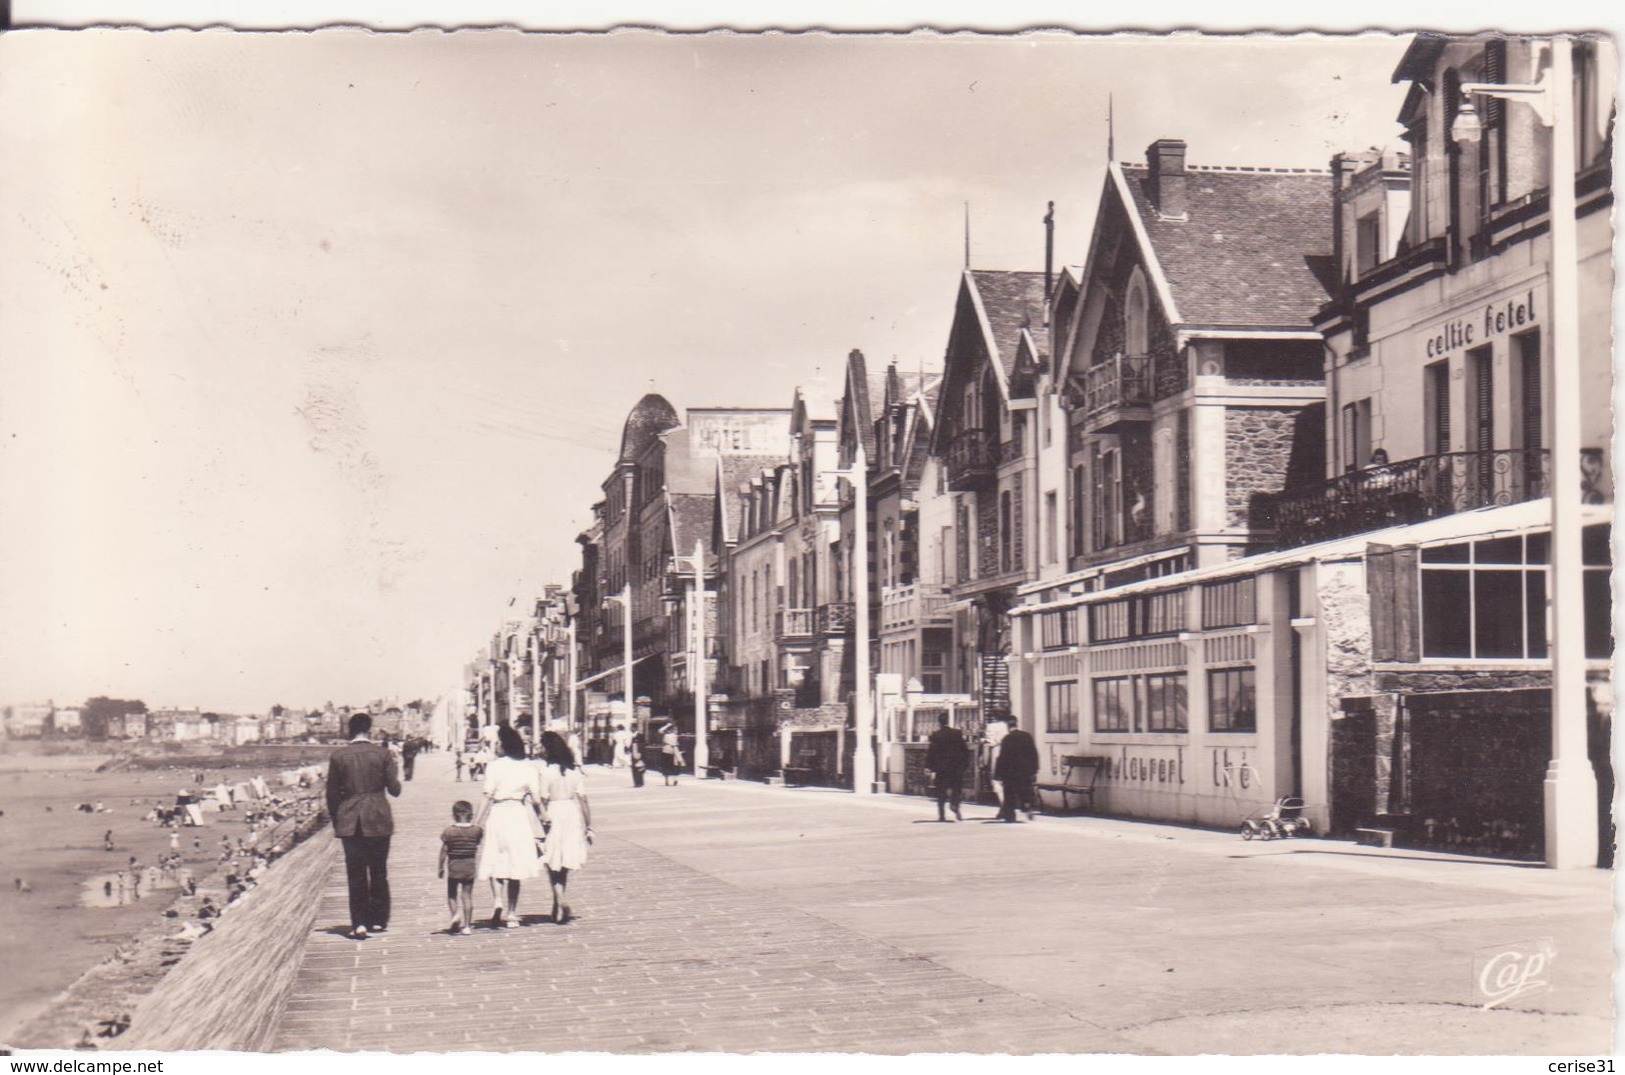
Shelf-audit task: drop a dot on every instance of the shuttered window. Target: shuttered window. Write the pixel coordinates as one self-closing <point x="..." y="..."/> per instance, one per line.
<point x="1392" y="586"/>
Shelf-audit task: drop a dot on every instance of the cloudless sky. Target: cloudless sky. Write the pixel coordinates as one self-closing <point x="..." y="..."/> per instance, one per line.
<point x="314" y="348"/>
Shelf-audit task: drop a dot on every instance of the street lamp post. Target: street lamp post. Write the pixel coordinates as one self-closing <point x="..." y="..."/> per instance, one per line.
<point x="1571" y="783"/>
<point x="863" y="715"/>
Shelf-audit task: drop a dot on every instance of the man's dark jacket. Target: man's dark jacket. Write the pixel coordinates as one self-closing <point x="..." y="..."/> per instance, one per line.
<point x="947" y="755"/>
<point x="358" y="775"/>
<point x="1018" y="757"/>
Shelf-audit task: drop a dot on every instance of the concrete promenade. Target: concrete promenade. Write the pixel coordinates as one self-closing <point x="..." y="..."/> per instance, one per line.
<point x="736" y="917"/>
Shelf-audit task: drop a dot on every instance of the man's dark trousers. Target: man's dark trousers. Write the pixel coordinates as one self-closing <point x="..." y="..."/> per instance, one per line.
<point x="366" y="866"/>
<point x="1018" y="795"/>
<point x="950" y="792"/>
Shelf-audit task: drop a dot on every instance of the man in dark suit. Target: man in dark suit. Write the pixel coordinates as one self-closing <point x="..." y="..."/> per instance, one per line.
<point x="358" y="775"/>
<point x="1018" y="768"/>
<point x="947" y="757"/>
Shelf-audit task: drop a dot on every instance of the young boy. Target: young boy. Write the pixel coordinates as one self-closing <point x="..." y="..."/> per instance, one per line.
<point x="459" y="847"/>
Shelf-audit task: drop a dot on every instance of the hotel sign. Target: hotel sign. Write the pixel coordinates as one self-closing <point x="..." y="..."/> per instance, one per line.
<point x="1504" y="315"/>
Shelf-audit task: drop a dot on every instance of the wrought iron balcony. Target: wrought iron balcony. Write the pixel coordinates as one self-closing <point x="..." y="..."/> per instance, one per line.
<point x="835" y="618"/>
<point x="972" y="460"/>
<point x="794" y="622"/>
<point x="1427" y="487"/>
<point x="1117" y="390"/>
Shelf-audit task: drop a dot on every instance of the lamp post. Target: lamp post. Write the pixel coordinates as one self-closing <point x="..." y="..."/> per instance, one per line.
<point x="1570" y="791"/>
<point x="863" y="715"/>
<point x="692" y="569"/>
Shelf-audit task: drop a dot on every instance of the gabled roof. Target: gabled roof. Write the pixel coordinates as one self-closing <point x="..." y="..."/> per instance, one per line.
<point x="1255" y="250"/>
<point x="732" y="473"/>
<point x="1010" y="302"/>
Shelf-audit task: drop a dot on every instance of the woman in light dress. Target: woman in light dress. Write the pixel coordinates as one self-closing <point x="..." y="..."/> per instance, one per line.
<point x="513" y="797"/>
<point x="569" y="818"/>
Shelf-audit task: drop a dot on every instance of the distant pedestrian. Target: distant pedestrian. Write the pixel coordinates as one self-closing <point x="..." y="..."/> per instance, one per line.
<point x="359" y="775"/>
<point x="197" y="842"/>
<point x="512" y="823"/>
<point x="569" y="818"/>
<point x="409" y="757"/>
<point x="992" y="737"/>
<point x="634" y="754"/>
<point x="671" y="755"/>
<point x="947" y="757"/>
<point x="174" y="840"/>
<point x="107" y="840"/>
<point x="459" y="856"/>
<point x="1017" y="767"/>
<point x="621" y="741"/>
<point x="457" y="765"/>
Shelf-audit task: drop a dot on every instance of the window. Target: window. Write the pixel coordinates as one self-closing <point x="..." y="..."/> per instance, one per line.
<point x="1141" y="703"/>
<point x="1367" y="243"/>
<point x="1058" y="628"/>
<point x="1079" y="500"/>
<point x="1485" y="599"/>
<point x="1436" y="389"/>
<point x="1230" y="604"/>
<point x="1052" y="526"/>
<point x="1356" y="434"/>
<point x="1231" y="700"/>
<point x="1007" y="526"/>
<point x="1114" y="704"/>
<point x="1135" y="336"/>
<point x="1061" y="710"/>
<point x="1137" y="617"/>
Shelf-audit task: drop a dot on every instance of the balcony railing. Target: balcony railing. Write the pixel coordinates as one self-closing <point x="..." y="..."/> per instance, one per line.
<point x="834" y="618"/>
<point x="795" y="623"/>
<point x="903" y="608"/>
<point x="1120" y="381"/>
<point x="972" y="459"/>
<point x="1427" y="487"/>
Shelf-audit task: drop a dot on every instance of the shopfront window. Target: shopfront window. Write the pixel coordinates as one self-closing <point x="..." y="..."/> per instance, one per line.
<point x="1141" y="703"/>
<point x="1061" y="710"/>
<point x="1231" y="700"/>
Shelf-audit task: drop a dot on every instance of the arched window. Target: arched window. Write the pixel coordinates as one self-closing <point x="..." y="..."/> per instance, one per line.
<point x="1136" y="339"/>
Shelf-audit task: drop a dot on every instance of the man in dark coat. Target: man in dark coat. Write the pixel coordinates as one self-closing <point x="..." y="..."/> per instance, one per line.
<point x="409" y="756"/>
<point x="947" y="757"/>
<point x="1018" y="768"/>
<point x="358" y="775"/>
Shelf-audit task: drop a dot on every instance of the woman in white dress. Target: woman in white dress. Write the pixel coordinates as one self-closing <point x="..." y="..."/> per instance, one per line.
<point x="569" y="818"/>
<point x="513" y="796"/>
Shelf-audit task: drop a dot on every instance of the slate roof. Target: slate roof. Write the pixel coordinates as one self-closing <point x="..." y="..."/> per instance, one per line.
<point x="1012" y="301"/>
<point x="1256" y="251"/>
<point x="690" y="522"/>
<point x="736" y="470"/>
<point x="651" y="417"/>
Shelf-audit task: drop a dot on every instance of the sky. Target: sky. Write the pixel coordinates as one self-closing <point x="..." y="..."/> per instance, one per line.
<point x="314" y="348"/>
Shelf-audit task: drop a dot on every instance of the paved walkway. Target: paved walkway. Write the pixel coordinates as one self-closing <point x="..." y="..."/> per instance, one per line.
<point x="735" y="917"/>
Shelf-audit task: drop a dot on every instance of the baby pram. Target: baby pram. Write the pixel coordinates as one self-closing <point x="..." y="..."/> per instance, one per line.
<point x="1283" y="820"/>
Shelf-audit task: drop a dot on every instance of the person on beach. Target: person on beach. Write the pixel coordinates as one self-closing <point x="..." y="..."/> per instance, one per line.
<point x="359" y="775"/>
<point x="459" y="855"/>
<point x="569" y="818"/>
<point x="107" y="840"/>
<point x="511" y="820"/>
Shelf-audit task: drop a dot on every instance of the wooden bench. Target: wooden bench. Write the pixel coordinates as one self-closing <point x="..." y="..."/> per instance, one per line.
<point x="1079" y="780"/>
<point x="805" y="771"/>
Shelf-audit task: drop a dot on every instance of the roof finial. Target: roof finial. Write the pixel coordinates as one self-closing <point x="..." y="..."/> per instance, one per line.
<point x="967" y="235"/>
<point x="1111" y="150"/>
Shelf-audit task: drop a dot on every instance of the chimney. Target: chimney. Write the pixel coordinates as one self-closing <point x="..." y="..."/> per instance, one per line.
<point x="1166" y="160"/>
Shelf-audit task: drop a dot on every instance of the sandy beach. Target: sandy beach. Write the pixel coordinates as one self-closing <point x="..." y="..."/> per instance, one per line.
<point x="61" y="921"/>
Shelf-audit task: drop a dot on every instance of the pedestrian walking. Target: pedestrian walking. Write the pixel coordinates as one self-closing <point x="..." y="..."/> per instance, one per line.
<point x="569" y="818"/>
<point x="457" y="765"/>
<point x="1017" y="767"/>
<point x="671" y="755"/>
<point x="459" y="855"/>
<point x="992" y="737"/>
<point x="359" y="775"/>
<point x="634" y="755"/>
<point x="409" y="757"/>
<point x="512" y="822"/>
<point x="174" y="840"/>
<point x="947" y="756"/>
<point x="621" y="740"/>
